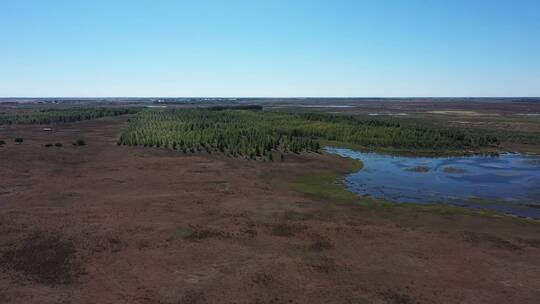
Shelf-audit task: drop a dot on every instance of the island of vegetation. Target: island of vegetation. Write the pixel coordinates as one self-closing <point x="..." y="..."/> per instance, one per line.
<point x="253" y="133"/>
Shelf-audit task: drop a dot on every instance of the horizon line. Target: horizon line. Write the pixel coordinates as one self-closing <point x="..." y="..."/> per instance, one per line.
<point x="262" y="97"/>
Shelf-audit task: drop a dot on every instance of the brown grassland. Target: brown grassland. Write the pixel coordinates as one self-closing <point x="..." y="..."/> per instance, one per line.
<point x="102" y="223"/>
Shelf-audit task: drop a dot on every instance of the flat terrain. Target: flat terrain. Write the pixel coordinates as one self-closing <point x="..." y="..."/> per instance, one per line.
<point x="516" y="123"/>
<point x="102" y="223"/>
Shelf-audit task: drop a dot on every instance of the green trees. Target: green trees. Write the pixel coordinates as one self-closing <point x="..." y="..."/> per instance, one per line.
<point x="48" y="116"/>
<point x="256" y="134"/>
<point x="237" y="133"/>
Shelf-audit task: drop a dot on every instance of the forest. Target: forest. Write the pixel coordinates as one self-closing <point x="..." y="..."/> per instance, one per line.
<point x="47" y="116"/>
<point x="256" y="134"/>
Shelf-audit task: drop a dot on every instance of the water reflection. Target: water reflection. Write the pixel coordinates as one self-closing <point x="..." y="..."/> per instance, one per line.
<point x="508" y="182"/>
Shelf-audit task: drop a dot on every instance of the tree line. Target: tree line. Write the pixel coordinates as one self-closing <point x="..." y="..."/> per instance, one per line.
<point x="47" y="116"/>
<point x="257" y="134"/>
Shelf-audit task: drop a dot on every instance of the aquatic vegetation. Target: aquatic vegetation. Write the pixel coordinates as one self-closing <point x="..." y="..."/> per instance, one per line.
<point x="419" y="169"/>
<point x="502" y="183"/>
<point x="454" y="170"/>
<point x="532" y="162"/>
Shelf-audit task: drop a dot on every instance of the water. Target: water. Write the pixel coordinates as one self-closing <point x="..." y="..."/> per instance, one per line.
<point x="508" y="183"/>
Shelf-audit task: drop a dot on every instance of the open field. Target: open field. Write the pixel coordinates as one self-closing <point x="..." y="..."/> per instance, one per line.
<point x="106" y="223"/>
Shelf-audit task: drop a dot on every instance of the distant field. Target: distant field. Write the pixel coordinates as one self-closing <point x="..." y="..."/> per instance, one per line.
<point x="515" y="123"/>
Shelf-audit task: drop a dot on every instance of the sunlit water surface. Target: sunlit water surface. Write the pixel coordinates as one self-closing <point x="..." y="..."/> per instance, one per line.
<point x="507" y="183"/>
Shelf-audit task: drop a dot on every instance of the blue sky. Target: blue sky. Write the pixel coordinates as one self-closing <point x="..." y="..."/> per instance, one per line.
<point x="269" y="48"/>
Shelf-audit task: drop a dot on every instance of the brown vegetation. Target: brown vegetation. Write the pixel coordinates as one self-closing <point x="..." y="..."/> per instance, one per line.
<point x="113" y="224"/>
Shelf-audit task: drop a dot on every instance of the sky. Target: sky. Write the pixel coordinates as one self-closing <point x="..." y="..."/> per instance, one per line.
<point x="272" y="48"/>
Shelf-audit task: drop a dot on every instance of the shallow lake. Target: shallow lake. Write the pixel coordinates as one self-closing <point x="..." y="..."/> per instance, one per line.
<point x="508" y="183"/>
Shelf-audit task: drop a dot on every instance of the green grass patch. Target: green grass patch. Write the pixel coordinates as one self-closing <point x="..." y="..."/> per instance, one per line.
<point x="326" y="185"/>
<point x="416" y="152"/>
<point x="182" y="233"/>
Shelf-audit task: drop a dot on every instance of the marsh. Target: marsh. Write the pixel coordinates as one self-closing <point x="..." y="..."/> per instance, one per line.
<point x="507" y="183"/>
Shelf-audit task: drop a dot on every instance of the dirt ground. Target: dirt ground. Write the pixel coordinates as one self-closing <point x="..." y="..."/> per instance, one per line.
<point x="106" y="224"/>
